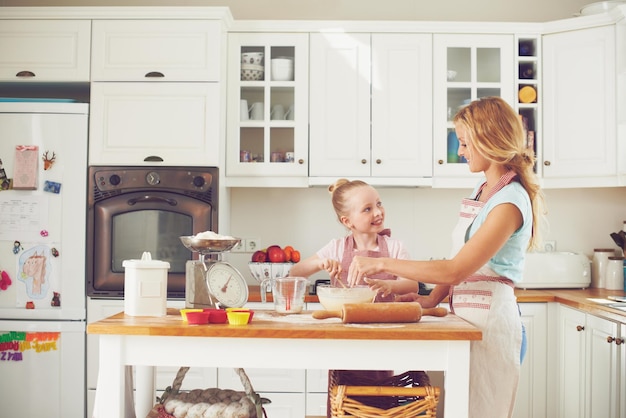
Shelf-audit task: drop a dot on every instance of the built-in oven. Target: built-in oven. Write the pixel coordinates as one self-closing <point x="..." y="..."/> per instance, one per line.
<point x="132" y="210"/>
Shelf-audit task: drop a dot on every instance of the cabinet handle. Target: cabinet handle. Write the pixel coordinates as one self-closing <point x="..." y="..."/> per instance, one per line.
<point x="440" y="162"/>
<point x="300" y="161"/>
<point x="25" y="74"/>
<point x="155" y="74"/>
<point x="363" y="161"/>
<point x="580" y="328"/>
<point x="547" y="163"/>
<point x="618" y="341"/>
<point x="378" y="161"/>
<point x="153" y="158"/>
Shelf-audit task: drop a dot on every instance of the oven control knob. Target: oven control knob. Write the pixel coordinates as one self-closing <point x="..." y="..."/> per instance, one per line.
<point x="115" y="180"/>
<point x="153" y="178"/>
<point x="198" y="181"/>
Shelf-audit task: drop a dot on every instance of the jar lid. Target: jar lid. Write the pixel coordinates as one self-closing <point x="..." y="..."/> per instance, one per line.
<point x="146" y="262"/>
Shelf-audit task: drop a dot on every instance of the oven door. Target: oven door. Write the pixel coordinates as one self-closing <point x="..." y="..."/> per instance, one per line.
<point x="126" y="225"/>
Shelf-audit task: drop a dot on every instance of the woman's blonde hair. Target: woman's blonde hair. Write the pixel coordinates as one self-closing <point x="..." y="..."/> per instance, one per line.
<point x="497" y="133"/>
<point x="340" y="191"/>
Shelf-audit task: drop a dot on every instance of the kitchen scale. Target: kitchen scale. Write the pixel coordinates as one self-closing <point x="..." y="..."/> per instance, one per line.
<point x="211" y="282"/>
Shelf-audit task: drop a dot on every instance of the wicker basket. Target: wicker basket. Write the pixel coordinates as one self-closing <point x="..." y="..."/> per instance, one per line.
<point x="202" y="399"/>
<point x="406" y="395"/>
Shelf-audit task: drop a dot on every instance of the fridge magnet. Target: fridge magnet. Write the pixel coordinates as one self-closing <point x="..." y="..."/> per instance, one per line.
<point x="17" y="247"/>
<point x="38" y="270"/>
<point x="51" y="187"/>
<point x="56" y="299"/>
<point x="43" y="233"/>
<point x="47" y="160"/>
<point x="5" y="280"/>
<point x="30" y="305"/>
<point x="25" y="167"/>
<point x="55" y="252"/>
<point x="5" y="182"/>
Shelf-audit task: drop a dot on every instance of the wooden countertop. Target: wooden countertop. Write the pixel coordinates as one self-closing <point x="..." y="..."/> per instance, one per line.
<point x="268" y="324"/>
<point x="576" y="298"/>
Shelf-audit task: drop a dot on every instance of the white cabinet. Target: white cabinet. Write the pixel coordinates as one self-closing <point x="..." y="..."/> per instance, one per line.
<point x="466" y="67"/>
<point x="156" y="98"/>
<point x="44" y="50"/>
<point x="531" y="401"/>
<point x="370" y="112"/>
<point x="588" y="372"/>
<point x="156" y="50"/>
<point x="267" y="118"/>
<point x="155" y="123"/>
<point x="579" y="140"/>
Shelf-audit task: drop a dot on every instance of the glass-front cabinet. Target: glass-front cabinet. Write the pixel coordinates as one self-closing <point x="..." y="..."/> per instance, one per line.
<point x="466" y="68"/>
<point x="267" y="129"/>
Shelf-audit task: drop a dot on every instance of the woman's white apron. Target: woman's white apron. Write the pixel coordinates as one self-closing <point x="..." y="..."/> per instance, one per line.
<point x="488" y="302"/>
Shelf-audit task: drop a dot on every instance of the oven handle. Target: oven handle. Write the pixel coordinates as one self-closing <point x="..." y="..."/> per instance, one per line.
<point x="148" y="198"/>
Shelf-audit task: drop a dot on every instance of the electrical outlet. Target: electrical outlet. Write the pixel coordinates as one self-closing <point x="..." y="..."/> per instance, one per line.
<point x="253" y="244"/>
<point x="549" y="246"/>
<point x="241" y="248"/>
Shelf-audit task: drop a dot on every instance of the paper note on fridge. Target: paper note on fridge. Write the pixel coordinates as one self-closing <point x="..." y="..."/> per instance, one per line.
<point x="25" y="167"/>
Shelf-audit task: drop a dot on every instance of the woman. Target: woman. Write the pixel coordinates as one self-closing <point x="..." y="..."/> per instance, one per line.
<point x="496" y="226"/>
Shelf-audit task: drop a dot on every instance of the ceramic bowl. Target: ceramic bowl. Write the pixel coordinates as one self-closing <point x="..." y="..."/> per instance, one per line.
<point x="282" y="69"/>
<point x="252" y="72"/>
<point x="333" y="298"/>
<point x="255" y="58"/>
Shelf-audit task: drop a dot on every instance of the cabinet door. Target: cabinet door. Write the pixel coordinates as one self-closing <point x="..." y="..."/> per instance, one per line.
<point x="267" y="109"/>
<point x="44" y="50"/>
<point x="622" y="370"/>
<point x="156" y="50"/>
<point x="571" y="371"/>
<point x="155" y="123"/>
<point x="602" y="368"/>
<point x="466" y="67"/>
<point x="531" y="401"/>
<point x="340" y="79"/>
<point x="401" y="105"/>
<point x="579" y="106"/>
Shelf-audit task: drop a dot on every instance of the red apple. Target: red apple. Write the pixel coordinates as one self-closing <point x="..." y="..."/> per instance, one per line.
<point x="275" y="254"/>
<point x="259" y="256"/>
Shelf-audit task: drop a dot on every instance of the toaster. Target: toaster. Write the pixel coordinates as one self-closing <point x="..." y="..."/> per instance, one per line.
<point x="557" y="269"/>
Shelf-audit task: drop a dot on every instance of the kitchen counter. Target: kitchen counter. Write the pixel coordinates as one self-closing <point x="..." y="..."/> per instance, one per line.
<point x="575" y="298"/>
<point x="278" y="341"/>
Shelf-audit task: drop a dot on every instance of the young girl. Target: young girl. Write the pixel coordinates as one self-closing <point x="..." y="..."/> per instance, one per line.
<point x="496" y="226"/>
<point x="359" y="209"/>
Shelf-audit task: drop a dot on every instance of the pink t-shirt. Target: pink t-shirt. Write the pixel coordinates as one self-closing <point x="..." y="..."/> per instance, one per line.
<point x="334" y="249"/>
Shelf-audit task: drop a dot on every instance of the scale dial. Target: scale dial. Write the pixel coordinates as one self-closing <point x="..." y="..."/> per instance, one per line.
<point x="227" y="285"/>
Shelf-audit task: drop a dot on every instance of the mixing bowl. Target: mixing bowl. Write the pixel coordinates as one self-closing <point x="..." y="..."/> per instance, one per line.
<point x="333" y="298"/>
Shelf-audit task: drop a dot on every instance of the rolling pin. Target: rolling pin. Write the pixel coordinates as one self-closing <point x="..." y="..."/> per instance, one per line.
<point x="386" y="312"/>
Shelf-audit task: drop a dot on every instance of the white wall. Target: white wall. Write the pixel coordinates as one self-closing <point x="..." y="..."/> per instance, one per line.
<point x="579" y="219"/>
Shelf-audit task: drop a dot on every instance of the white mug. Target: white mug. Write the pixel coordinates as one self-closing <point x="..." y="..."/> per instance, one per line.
<point x="243" y="110"/>
<point x="256" y="111"/>
<point x="289" y="114"/>
<point x="278" y="112"/>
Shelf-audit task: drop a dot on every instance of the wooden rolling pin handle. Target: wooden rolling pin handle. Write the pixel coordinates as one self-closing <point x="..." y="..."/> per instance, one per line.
<point x="326" y="314"/>
<point x="434" y="312"/>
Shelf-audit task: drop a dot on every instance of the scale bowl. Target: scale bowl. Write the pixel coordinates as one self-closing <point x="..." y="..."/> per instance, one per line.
<point x="208" y="246"/>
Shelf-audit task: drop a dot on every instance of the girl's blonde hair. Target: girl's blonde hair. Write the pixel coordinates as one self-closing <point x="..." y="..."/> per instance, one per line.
<point x="496" y="131"/>
<point x="340" y="191"/>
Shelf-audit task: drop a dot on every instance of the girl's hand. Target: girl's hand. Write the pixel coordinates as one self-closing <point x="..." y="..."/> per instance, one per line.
<point x="333" y="267"/>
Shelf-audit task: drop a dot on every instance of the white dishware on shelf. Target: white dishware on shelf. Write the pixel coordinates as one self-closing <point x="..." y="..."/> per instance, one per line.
<point x="282" y="69"/>
<point x="256" y="111"/>
<point x="243" y="110"/>
<point x="278" y="112"/>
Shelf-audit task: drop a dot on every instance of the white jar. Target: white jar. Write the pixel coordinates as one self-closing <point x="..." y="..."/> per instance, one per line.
<point x="598" y="266"/>
<point x="615" y="273"/>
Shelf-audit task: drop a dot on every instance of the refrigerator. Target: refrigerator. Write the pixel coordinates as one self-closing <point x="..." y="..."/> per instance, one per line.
<point x="43" y="172"/>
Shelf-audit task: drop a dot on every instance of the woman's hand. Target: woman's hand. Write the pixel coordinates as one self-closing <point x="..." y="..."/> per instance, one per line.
<point x="361" y="267"/>
<point x="381" y="286"/>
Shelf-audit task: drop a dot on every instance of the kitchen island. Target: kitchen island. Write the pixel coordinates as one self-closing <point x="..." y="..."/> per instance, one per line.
<point x="275" y="341"/>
